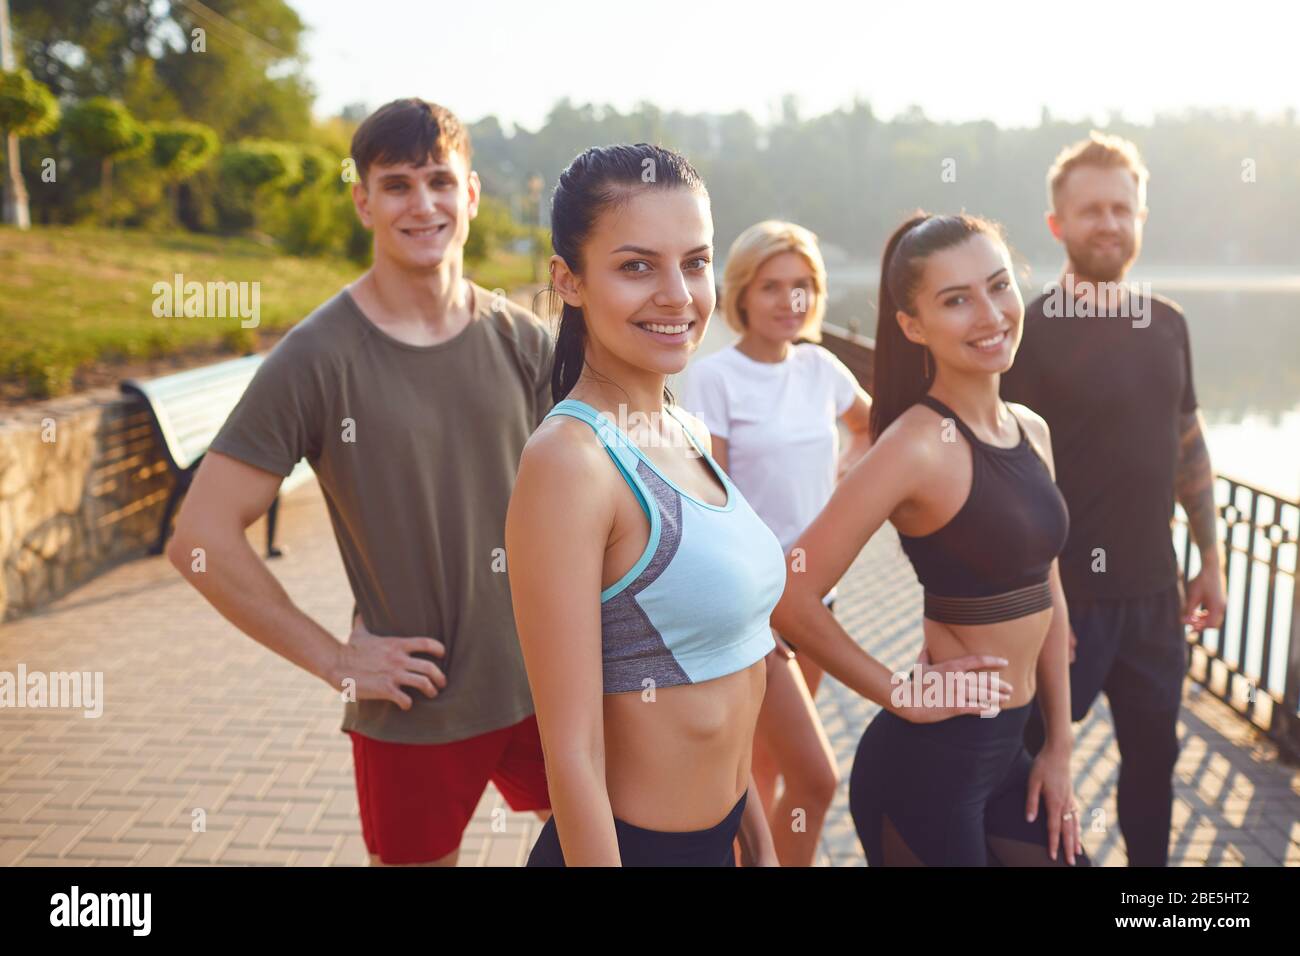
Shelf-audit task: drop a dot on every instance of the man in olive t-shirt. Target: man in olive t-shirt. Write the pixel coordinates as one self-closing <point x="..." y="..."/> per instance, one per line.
<point x="415" y="449"/>
<point x="411" y="393"/>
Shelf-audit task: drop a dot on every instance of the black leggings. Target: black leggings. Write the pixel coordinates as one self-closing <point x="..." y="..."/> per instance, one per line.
<point x="638" y="846"/>
<point x="950" y="793"/>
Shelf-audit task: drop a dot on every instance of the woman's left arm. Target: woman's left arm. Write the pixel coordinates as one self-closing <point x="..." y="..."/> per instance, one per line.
<point x="1053" y="673"/>
<point x="1050" y="777"/>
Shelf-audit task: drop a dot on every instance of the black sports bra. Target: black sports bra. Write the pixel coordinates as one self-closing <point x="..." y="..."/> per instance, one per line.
<point x="990" y="563"/>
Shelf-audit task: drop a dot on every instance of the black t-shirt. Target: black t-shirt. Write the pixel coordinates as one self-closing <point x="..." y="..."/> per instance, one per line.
<point x="1112" y="395"/>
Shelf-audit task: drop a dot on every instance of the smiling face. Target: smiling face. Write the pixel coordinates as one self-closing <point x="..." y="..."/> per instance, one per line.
<point x="967" y="307"/>
<point x="1098" y="218"/>
<point x="420" y="214"/>
<point x="778" y="300"/>
<point x="645" y="284"/>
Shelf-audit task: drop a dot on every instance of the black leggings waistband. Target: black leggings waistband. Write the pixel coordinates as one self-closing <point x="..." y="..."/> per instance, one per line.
<point x="1007" y="726"/>
<point x="638" y="846"/>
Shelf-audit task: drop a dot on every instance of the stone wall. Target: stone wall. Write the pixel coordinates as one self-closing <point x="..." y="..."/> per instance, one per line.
<point x="82" y="487"/>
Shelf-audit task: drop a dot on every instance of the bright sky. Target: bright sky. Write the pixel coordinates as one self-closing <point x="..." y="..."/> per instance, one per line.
<point x="957" y="60"/>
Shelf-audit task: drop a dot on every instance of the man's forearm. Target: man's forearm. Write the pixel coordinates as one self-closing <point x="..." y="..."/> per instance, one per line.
<point x="1194" y="486"/>
<point x="239" y="585"/>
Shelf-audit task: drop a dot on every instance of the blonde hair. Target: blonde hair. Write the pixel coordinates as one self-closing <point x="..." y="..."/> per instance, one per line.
<point x="1099" y="149"/>
<point x="755" y="246"/>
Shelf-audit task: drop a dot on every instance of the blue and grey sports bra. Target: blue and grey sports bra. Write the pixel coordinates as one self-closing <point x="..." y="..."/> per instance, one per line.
<point x="696" y="604"/>
<point x="991" y="562"/>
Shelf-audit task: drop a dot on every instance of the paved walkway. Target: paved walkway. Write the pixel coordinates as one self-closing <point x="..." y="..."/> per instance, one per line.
<point x="200" y="722"/>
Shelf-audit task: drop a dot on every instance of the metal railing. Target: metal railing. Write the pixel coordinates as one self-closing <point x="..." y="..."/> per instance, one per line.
<point x="1252" y="661"/>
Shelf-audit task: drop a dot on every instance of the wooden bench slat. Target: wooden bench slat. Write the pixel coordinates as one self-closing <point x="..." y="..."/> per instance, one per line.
<point x="190" y="407"/>
<point x="188" y="410"/>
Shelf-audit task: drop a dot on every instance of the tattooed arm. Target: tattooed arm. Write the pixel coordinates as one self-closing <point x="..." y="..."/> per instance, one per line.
<point x="1194" y="486"/>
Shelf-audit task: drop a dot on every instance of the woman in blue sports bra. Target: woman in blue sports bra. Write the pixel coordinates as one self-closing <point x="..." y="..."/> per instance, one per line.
<point x="641" y="579"/>
<point x="941" y="776"/>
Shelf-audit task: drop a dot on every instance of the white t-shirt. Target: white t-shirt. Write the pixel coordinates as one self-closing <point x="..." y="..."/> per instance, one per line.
<point x="779" y="422"/>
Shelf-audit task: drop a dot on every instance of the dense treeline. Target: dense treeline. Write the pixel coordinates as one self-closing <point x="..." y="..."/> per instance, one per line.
<point x="1225" y="189"/>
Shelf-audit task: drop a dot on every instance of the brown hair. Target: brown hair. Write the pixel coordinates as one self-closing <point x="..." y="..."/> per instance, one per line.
<point x="901" y="373"/>
<point x="1102" y="150"/>
<point x="601" y="177"/>
<point x="408" y="131"/>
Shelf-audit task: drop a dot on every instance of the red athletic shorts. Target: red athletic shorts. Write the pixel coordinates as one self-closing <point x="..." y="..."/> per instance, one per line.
<point x="416" y="799"/>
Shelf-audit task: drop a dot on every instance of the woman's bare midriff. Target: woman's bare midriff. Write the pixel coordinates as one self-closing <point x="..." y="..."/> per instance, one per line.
<point x="680" y="762"/>
<point x="1019" y="641"/>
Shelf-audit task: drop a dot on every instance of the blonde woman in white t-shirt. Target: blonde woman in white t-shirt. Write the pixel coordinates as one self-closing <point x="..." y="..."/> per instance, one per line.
<point x="772" y="407"/>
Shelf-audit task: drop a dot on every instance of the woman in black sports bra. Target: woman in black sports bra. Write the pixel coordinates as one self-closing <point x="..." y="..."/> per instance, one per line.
<point x="941" y="776"/>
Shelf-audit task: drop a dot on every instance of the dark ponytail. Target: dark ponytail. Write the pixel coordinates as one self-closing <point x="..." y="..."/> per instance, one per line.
<point x="570" y="351"/>
<point x="903" y="370"/>
<point x="597" y="178"/>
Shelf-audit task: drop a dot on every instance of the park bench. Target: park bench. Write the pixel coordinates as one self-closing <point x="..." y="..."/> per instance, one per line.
<point x="188" y="409"/>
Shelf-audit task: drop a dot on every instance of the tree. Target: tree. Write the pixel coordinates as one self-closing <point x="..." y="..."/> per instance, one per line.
<point x="105" y="130"/>
<point x="27" y="108"/>
<point x="317" y="165"/>
<point x="251" y="52"/>
<point x="181" y="149"/>
<point x="236" y="65"/>
<point x="257" y="164"/>
<point x="252" y="167"/>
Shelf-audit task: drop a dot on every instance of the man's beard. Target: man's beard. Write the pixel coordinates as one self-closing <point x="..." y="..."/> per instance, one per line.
<point x="1102" y="266"/>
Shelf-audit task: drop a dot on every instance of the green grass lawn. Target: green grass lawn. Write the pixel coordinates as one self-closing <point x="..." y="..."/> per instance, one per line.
<point x="73" y="297"/>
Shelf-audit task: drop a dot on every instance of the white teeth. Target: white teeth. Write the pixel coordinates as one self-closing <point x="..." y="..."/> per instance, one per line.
<point x="990" y="341"/>
<point x="667" y="329"/>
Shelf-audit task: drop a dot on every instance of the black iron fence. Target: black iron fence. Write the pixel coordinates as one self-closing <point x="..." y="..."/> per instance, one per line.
<point x="1252" y="661"/>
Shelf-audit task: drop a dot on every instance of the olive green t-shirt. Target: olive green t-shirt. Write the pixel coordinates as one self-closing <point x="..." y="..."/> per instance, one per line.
<point x="416" y="449"/>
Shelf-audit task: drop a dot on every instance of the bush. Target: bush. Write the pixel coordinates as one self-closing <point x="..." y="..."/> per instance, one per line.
<point x="240" y="340"/>
<point x="250" y="170"/>
<point x="257" y="164"/>
<point x="359" y="244"/>
<point x="46" y="373"/>
<point x="181" y="149"/>
<point x="491" y="231"/>
<point x="310" y="223"/>
<point x="105" y="129"/>
<point x="27" y="107"/>
<point x="318" y="167"/>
